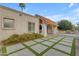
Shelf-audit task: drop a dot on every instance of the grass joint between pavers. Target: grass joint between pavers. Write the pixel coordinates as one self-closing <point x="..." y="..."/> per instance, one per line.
<point x="4" y="51"/>
<point x="61" y="51"/>
<point x="33" y="51"/>
<point x="15" y="51"/>
<point x="73" y="49"/>
<point x="50" y="47"/>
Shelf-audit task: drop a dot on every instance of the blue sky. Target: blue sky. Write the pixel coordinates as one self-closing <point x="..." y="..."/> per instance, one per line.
<point x="53" y="11"/>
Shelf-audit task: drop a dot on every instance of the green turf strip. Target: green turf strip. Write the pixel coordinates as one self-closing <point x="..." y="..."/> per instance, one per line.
<point x="50" y="47"/>
<point x="73" y="49"/>
<point x="4" y="51"/>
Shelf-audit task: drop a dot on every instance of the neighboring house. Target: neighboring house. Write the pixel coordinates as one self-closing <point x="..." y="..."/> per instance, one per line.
<point x="11" y="22"/>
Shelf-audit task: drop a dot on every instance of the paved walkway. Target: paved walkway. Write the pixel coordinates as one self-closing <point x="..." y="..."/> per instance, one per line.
<point x="59" y="46"/>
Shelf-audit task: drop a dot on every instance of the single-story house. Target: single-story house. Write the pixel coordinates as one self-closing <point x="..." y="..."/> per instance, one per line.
<point x="17" y="22"/>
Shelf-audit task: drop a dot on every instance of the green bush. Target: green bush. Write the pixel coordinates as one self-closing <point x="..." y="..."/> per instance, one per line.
<point x="15" y="38"/>
<point x="11" y="39"/>
<point x="38" y="35"/>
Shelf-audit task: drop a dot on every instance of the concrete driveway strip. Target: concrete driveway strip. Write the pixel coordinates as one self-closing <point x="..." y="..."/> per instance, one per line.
<point x="77" y="47"/>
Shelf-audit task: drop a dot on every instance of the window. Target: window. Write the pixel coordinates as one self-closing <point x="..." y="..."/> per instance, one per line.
<point x="8" y="23"/>
<point x="31" y="27"/>
<point x="40" y="27"/>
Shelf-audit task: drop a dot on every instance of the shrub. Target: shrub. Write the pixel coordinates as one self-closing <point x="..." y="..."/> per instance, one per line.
<point x="11" y="39"/>
<point x="15" y="38"/>
<point x="38" y="35"/>
<point x="65" y="25"/>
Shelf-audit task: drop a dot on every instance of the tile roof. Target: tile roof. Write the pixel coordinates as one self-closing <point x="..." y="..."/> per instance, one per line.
<point x="46" y="20"/>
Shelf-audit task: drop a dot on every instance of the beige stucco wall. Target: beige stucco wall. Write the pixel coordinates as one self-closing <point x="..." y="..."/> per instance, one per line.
<point x="21" y="23"/>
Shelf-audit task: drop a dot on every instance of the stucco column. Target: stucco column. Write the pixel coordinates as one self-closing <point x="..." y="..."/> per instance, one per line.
<point x="55" y="30"/>
<point x="44" y="29"/>
<point x="52" y="30"/>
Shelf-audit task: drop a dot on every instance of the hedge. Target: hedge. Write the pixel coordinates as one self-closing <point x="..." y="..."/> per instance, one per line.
<point x="15" y="38"/>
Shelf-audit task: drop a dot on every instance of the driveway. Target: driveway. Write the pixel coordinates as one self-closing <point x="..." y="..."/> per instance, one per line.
<point x="77" y="47"/>
<point x="54" y="46"/>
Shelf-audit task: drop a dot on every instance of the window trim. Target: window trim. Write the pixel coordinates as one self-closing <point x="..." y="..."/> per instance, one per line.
<point x="4" y="28"/>
<point x="31" y="27"/>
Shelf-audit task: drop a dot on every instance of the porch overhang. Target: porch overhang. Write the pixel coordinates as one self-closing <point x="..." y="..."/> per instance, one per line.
<point x="48" y="26"/>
